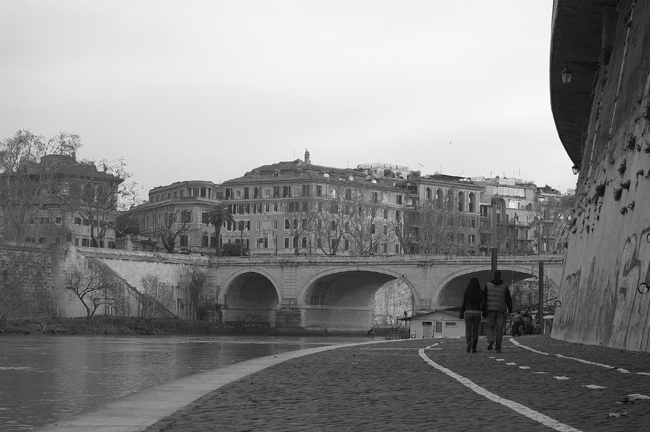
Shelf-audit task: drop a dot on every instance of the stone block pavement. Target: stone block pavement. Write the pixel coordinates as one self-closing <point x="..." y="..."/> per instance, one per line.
<point x="536" y="384"/>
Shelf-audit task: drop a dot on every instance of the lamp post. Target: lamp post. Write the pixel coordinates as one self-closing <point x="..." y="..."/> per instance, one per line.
<point x="567" y="73"/>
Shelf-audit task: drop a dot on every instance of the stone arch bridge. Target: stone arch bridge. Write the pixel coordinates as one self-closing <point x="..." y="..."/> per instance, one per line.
<point x="336" y="293"/>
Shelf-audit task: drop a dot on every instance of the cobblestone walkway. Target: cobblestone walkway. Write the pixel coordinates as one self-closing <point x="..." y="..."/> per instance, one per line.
<point x="536" y="384"/>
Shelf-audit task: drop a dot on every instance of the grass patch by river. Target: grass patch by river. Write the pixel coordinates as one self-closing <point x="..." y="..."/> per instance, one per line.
<point x="108" y="325"/>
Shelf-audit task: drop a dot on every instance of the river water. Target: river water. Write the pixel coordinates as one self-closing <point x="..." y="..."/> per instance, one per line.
<point x="47" y="378"/>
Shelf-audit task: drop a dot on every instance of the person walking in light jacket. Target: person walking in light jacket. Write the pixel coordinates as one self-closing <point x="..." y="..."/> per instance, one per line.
<point x="496" y="301"/>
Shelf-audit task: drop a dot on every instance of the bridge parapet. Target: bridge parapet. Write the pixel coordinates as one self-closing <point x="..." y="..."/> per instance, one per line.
<point x="385" y="259"/>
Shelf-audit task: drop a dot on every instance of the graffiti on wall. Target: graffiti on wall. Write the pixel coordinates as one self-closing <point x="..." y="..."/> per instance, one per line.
<point x="603" y="302"/>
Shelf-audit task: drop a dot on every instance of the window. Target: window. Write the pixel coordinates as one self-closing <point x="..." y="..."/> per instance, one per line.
<point x="76" y="241"/>
<point x="85" y="242"/>
<point x="275" y="224"/>
<point x="42" y="240"/>
<point x="184" y="241"/>
<point x="287" y="224"/>
<point x="319" y="190"/>
<point x="304" y="242"/>
<point x="385" y="229"/>
<point x="286" y="242"/>
<point x="398" y="199"/>
<point x="286" y="191"/>
<point x="385" y="214"/>
<point x="306" y="190"/>
<point x="204" y="241"/>
<point x="85" y="221"/>
<point x="450" y="323"/>
<point x="375" y="197"/>
<point x="205" y="218"/>
<point x="246" y="193"/>
<point x="186" y="216"/>
<point x="348" y="194"/>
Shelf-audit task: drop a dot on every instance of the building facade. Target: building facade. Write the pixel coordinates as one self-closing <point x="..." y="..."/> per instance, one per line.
<point x="508" y="213"/>
<point x="174" y="217"/>
<point x="297" y="207"/>
<point x="59" y="199"/>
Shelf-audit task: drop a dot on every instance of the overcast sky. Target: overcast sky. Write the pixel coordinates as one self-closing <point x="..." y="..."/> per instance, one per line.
<point x="208" y="90"/>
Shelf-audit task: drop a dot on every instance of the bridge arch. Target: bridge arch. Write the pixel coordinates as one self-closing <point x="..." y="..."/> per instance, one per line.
<point x="340" y="299"/>
<point x="250" y="292"/>
<point x="451" y="289"/>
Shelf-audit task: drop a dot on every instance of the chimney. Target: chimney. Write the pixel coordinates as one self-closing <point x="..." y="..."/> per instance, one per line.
<point x="307" y="161"/>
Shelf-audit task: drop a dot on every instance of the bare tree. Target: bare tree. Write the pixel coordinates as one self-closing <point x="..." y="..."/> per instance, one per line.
<point x="16" y="272"/>
<point x="363" y="229"/>
<point x="171" y="224"/>
<point x="155" y="293"/>
<point x="390" y="303"/>
<point x="332" y="223"/>
<point x="94" y="285"/>
<point x="25" y="148"/>
<point x="195" y="282"/>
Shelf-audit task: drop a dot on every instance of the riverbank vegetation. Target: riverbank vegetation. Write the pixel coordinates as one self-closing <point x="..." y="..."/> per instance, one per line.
<point x="129" y="326"/>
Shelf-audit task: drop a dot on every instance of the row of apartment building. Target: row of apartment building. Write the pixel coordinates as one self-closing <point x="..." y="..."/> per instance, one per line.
<point x="286" y="208"/>
<point x="300" y="207"/>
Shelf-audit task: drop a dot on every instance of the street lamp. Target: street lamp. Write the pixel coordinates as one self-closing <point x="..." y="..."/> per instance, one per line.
<point x="576" y="169"/>
<point x="567" y="72"/>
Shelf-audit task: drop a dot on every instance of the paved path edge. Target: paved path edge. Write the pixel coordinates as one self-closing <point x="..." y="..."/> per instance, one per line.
<point x="140" y="410"/>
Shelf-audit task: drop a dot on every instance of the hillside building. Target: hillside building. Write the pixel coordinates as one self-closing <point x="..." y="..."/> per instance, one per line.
<point x="59" y="199"/>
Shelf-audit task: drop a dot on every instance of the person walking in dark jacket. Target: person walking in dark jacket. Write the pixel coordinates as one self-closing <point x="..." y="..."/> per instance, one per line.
<point x="496" y="301"/>
<point x="471" y="310"/>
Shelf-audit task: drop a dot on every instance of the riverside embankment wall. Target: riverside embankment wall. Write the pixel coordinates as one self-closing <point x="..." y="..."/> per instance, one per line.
<point x="603" y="292"/>
<point x="45" y="271"/>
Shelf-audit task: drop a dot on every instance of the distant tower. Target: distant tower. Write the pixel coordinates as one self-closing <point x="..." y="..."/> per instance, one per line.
<point x="307" y="161"/>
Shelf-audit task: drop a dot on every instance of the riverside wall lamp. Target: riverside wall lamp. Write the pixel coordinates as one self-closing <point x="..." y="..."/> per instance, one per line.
<point x="567" y="72"/>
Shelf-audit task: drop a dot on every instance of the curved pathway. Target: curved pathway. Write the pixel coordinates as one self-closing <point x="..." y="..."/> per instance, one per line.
<point x="536" y="384"/>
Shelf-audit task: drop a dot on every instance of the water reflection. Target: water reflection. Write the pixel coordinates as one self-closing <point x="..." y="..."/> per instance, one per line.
<point x="43" y="379"/>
